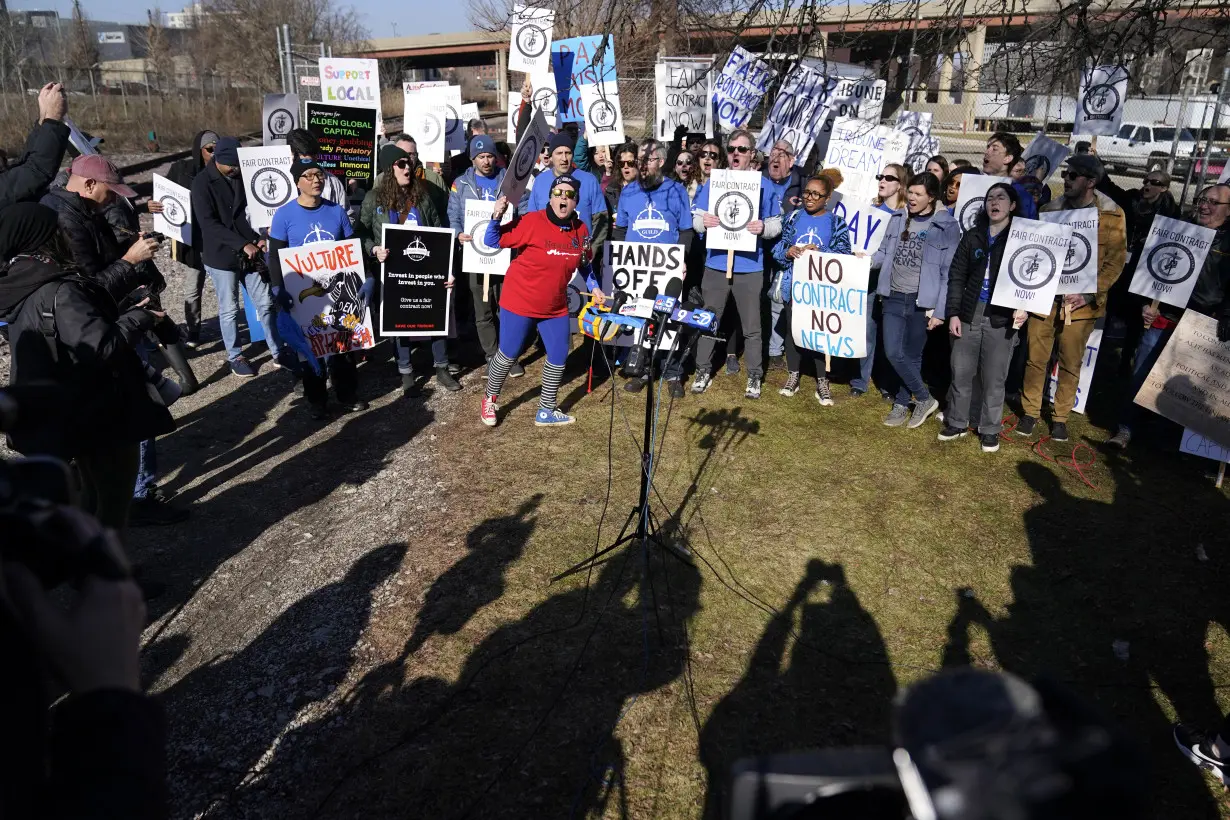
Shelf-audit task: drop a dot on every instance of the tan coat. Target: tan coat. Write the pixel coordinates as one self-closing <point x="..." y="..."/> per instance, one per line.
<point x="1112" y="253"/>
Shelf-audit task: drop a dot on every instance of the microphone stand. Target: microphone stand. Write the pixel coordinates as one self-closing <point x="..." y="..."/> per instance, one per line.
<point x="647" y="530"/>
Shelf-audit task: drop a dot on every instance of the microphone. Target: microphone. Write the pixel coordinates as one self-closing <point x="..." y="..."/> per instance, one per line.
<point x="618" y="300"/>
<point x="667" y="302"/>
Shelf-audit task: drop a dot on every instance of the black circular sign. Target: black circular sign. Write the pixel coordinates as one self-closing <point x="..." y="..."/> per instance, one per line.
<point x="546" y="100"/>
<point x="523" y="161"/>
<point x="452" y="118"/>
<point x="1100" y="100"/>
<point x="271" y="187"/>
<point x="280" y="123"/>
<point x="603" y="115"/>
<point x="918" y="161"/>
<point x="1038" y="162"/>
<point x="1032" y="267"/>
<point x="173" y="211"/>
<point x="733" y="210"/>
<point x="1079" y="251"/>
<point x="531" y="40"/>
<point x="477" y="231"/>
<point x="1171" y="263"/>
<point x="431" y="128"/>
<point x="970" y="212"/>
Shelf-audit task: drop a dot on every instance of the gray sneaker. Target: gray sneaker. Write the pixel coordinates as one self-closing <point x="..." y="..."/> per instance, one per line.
<point x="702" y="381"/>
<point x="1121" y="439"/>
<point x="897" y="416"/>
<point x="923" y="411"/>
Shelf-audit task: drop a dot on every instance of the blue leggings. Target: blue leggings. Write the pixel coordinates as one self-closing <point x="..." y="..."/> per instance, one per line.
<point x="515" y="333"/>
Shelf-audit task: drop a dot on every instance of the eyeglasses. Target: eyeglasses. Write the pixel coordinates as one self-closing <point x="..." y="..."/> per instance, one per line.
<point x="654" y="159"/>
<point x="1071" y="175"/>
<point x="313" y="176"/>
<point x="710" y="154"/>
<point x="627" y="163"/>
<point x="566" y="193"/>
<point x="738" y="149"/>
<point x="402" y="164"/>
<point x="1156" y="183"/>
<point x="814" y="195"/>
<point x="1212" y="203"/>
<point x="886" y="178"/>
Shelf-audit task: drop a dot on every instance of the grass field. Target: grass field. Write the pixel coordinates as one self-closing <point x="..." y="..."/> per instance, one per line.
<point x="837" y="562"/>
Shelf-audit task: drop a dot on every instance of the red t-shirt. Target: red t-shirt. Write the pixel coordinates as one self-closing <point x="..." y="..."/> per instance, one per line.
<point x="536" y="284"/>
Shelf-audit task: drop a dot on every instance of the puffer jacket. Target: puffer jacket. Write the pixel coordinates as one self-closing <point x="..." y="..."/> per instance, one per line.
<point x="1112" y="252"/>
<point x="182" y="172"/>
<point x="465" y="188"/>
<point x="95" y="248"/>
<point x="26" y="179"/>
<point x="939" y="246"/>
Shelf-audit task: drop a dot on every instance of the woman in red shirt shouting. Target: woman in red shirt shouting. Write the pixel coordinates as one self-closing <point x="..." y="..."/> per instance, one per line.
<point x="552" y="243"/>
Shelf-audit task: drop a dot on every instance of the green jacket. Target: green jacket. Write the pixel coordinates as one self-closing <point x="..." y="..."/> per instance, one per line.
<point x="371" y="218"/>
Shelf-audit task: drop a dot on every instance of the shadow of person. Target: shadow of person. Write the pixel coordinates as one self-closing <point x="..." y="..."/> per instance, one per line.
<point x="528" y="729"/>
<point x="225" y="718"/>
<point x="1107" y="578"/>
<point x="837" y="689"/>
<point x="227" y="522"/>
<point x="478" y="578"/>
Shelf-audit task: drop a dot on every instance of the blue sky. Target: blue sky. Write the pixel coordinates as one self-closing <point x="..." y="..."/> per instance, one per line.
<point x="428" y="17"/>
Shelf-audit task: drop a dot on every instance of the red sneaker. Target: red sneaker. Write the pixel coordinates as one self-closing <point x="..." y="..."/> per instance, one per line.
<point x="487" y="414"/>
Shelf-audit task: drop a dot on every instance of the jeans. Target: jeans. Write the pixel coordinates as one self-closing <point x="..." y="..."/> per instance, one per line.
<point x="108" y="474"/>
<point x="1152" y="343"/>
<point x="980" y="360"/>
<point x="194" y="286"/>
<point x="1044" y="334"/>
<point x="905" y="336"/>
<point x="863" y="382"/>
<point x="776" y="340"/>
<point x="403" y="346"/>
<point x="747" y="289"/>
<point x="226" y="283"/>
<point x="147" y="470"/>
<point x="484" y="312"/>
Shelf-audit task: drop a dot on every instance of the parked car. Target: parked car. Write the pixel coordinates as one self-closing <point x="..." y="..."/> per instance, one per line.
<point x="1144" y="147"/>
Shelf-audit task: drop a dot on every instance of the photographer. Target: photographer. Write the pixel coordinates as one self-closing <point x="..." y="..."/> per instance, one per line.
<point x="101" y="751"/>
<point x="104" y="238"/>
<point x="65" y="329"/>
<point x="28" y="178"/>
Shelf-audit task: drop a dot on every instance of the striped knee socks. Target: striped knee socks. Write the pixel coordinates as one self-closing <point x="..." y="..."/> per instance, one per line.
<point x="552" y="375"/>
<point x="497" y="372"/>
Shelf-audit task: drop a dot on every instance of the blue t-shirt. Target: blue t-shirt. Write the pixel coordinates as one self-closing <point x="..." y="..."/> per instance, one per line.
<point x="488" y="187"/>
<point x="591" y="199"/>
<point x="654" y="216"/>
<point x="413" y="217"/>
<point x="777" y="189"/>
<point x="745" y="261"/>
<point x="814" y="229"/>
<point x="296" y="225"/>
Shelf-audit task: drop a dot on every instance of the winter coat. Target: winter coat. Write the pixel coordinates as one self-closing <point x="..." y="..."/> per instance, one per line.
<point x="220" y="228"/>
<point x="183" y="172"/>
<point x="977" y="254"/>
<point x="371" y="217"/>
<point x="839" y="242"/>
<point x="26" y="180"/>
<point x="943" y="236"/>
<point x="1112" y="252"/>
<point x="1211" y="294"/>
<point x="68" y="332"/>
<point x="96" y="251"/>
<point x="465" y="188"/>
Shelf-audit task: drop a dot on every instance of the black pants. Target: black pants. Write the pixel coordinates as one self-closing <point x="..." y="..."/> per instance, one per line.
<point x="340" y="369"/>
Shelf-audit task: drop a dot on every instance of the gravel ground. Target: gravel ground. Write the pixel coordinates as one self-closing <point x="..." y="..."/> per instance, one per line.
<point x="298" y="536"/>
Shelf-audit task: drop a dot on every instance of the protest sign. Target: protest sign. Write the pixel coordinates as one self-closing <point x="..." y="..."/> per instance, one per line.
<point x="734" y="198"/>
<point x="175" y="221"/>
<point x="604" y="120"/>
<point x="1171" y="260"/>
<point x="544" y="98"/>
<point x="1197" y="445"/>
<point x="576" y="62"/>
<point x="1043" y="156"/>
<point x="280" y="115"/>
<point x="854" y="97"/>
<point x="415" y="301"/>
<point x="433" y="117"/>
<point x="469" y="111"/>
<point x="828" y="303"/>
<point x="530" y="45"/>
<point x="1088" y="365"/>
<point x="916" y="125"/>
<point x="633" y="266"/>
<point x="415" y="85"/>
<point x="860" y="150"/>
<point x="868" y="223"/>
<point x="737" y="91"/>
<point x="684" y="94"/>
<point x="323" y="280"/>
<point x="1225" y="175"/>
<point x="801" y="107"/>
<point x="974" y="189"/>
<point x="1099" y="107"/>
<point x="1080" y="265"/>
<point x="476" y="255"/>
<point x="267" y="180"/>
<point x="1190" y="383"/>
<point x="524" y="158"/>
<point x="1032" y="261"/>
<point x="347" y="138"/>
<point x="349" y="81"/>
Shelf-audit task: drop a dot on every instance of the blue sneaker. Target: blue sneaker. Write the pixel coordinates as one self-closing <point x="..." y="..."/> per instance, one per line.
<point x="552" y="418"/>
<point x="241" y="368"/>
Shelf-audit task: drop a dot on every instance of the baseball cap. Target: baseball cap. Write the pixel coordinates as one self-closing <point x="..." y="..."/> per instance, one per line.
<point x="1087" y="165"/>
<point x="481" y="144"/>
<point x="98" y="167"/>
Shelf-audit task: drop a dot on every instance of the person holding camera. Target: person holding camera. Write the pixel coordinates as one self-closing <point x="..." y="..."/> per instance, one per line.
<point x="65" y="329"/>
<point x="231" y="251"/>
<point x="27" y="179"/>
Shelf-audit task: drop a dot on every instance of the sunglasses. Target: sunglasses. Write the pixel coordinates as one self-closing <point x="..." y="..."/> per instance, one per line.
<point x="1070" y="175"/>
<point x="1155" y="183"/>
<point x="684" y="162"/>
<point x="402" y="164"/>
<point x="738" y="149"/>
<point x="566" y="193"/>
<point x="886" y="178"/>
<point x="710" y="154"/>
<point x="627" y="163"/>
<point x="814" y="195"/>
